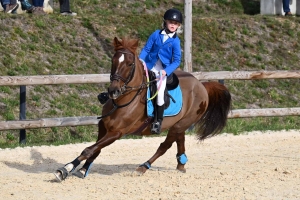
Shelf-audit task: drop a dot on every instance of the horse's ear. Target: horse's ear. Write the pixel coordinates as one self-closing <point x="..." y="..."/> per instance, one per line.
<point x="117" y="43"/>
<point x="135" y="44"/>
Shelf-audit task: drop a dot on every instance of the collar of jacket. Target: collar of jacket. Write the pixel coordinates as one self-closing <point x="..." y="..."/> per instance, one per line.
<point x="174" y="36"/>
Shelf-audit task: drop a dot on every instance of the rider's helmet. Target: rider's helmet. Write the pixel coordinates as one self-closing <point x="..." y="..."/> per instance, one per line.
<point x="173" y="14"/>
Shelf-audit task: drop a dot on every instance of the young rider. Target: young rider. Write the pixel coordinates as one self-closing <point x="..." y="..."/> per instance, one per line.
<point x="162" y="55"/>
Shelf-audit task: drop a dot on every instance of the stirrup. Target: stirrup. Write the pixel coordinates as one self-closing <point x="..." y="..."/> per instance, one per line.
<point x="155" y="128"/>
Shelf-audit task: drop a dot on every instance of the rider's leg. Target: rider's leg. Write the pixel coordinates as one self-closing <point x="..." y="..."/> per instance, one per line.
<point x="161" y="86"/>
<point x="156" y="126"/>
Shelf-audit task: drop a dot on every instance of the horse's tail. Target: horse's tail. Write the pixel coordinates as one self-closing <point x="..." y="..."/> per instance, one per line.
<point x="214" y="119"/>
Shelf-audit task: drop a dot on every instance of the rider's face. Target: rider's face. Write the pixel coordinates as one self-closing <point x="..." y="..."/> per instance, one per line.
<point x="172" y="25"/>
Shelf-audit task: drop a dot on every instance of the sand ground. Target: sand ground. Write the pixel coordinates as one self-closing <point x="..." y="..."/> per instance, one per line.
<point x="249" y="166"/>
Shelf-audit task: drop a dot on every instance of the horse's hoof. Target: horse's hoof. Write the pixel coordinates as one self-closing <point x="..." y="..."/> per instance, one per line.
<point x="141" y="170"/>
<point x="181" y="168"/>
<point x="79" y="174"/>
<point x="58" y="176"/>
<point x="61" y="174"/>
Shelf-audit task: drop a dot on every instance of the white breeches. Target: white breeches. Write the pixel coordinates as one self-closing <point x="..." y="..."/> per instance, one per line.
<point x="160" y="95"/>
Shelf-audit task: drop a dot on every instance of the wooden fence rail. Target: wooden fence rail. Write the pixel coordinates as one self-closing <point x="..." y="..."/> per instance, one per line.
<point x="92" y="120"/>
<point x="104" y="78"/>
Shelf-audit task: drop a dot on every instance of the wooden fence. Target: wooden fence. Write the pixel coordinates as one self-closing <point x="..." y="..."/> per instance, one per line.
<point x="104" y="78"/>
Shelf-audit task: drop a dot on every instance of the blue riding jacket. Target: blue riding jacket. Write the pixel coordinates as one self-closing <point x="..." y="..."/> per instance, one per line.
<point x="168" y="52"/>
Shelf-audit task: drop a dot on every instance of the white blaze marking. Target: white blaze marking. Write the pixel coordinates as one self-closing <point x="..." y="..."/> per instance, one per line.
<point x="121" y="59"/>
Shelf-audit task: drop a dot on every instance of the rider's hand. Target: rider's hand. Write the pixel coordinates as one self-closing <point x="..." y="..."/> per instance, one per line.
<point x="142" y="61"/>
<point x="163" y="73"/>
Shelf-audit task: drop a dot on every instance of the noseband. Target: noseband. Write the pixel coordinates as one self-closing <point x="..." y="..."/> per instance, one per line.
<point x="118" y="77"/>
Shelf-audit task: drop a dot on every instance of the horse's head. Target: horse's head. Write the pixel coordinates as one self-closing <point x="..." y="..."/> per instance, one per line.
<point x="123" y="66"/>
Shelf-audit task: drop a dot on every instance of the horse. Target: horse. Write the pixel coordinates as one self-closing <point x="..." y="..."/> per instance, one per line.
<point x="205" y="105"/>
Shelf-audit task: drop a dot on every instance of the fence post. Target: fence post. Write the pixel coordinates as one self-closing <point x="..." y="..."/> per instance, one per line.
<point x="22" y="139"/>
<point x="188" y="36"/>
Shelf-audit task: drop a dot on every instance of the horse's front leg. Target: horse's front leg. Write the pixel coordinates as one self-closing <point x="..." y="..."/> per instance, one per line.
<point x="89" y="154"/>
<point x="83" y="172"/>
<point x="163" y="147"/>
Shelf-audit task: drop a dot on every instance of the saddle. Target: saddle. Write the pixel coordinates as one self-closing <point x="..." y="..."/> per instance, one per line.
<point x="172" y="83"/>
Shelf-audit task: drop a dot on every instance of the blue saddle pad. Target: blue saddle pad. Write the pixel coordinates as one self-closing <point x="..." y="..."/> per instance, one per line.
<point x="173" y="109"/>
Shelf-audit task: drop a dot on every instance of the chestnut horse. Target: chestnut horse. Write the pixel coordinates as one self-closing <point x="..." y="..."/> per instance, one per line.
<point x="205" y="105"/>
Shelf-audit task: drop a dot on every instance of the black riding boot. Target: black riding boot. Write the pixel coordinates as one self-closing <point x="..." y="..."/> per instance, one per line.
<point x="156" y="125"/>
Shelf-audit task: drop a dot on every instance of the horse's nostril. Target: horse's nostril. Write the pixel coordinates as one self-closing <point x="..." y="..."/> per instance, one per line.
<point x="116" y="94"/>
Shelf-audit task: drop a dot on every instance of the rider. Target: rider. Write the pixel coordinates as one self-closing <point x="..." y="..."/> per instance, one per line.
<point x="162" y="55"/>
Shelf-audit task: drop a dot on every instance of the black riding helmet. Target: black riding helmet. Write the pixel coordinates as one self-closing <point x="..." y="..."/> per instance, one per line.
<point x="173" y="14"/>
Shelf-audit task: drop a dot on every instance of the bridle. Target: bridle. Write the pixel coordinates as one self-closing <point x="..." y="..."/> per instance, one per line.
<point x="118" y="77"/>
<point x="125" y="88"/>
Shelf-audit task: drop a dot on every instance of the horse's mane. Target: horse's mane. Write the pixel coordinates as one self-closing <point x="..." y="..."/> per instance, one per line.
<point x="125" y="43"/>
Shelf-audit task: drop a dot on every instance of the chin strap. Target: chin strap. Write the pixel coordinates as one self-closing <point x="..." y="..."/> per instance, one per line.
<point x="168" y="31"/>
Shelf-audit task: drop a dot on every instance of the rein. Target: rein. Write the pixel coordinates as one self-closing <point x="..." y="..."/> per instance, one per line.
<point x="147" y="75"/>
<point x="116" y="106"/>
<point x="125" y="88"/>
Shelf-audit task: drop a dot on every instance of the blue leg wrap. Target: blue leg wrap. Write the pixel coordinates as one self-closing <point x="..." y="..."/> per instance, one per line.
<point x="146" y="165"/>
<point x="87" y="166"/>
<point x="182" y="159"/>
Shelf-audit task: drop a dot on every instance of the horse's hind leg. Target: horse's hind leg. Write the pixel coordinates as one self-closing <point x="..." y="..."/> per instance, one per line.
<point x="181" y="157"/>
<point x="163" y="147"/>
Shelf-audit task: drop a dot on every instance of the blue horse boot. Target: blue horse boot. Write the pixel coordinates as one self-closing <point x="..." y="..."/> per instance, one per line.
<point x="84" y="171"/>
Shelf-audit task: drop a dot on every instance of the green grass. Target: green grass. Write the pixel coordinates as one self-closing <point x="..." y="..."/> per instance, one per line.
<point x="242" y="125"/>
<point x="227" y="35"/>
